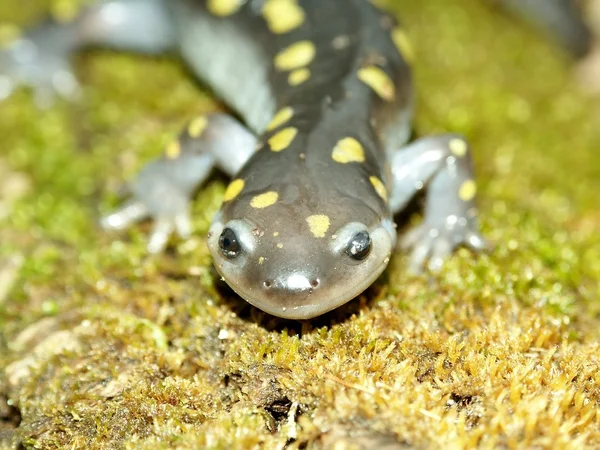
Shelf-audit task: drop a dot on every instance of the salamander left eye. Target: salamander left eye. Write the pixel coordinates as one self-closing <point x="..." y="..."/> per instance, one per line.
<point x="229" y="244"/>
<point x="360" y="246"/>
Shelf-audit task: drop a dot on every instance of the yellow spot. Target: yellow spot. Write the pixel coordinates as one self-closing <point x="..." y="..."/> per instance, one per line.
<point x="173" y="150"/>
<point x="458" y="147"/>
<point x="264" y="200"/>
<point x="295" y="56"/>
<point x="281" y="117"/>
<point x="283" y="16"/>
<point x="64" y="11"/>
<point x="298" y="76"/>
<point x="224" y="8"/>
<point x="233" y="190"/>
<point x="379" y="3"/>
<point x="261" y="260"/>
<point x="282" y="139"/>
<point x="379" y="81"/>
<point x="348" y="150"/>
<point x="197" y="127"/>
<point x="467" y="191"/>
<point x="340" y="42"/>
<point x="8" y="34"/>
<point x="276" y="234"/>
<point x="318" y="224"/>
<point x="403" y="44"/>
<point x="379" y="187"/>
<point x="279" y="245"/>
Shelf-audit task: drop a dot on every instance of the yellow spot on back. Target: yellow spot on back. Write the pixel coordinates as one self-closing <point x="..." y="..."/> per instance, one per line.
<point x="261" y="260"/>
<point x="379" y="81"/>
<point x="279" y="245"/>
<point x="348" y="150"/>
<point x="224" y="8"/>
<point x="281" y="117"/>
<point x="318" y="224"/>
<point x="298" y="76"/>
<point x="264" y="200"/>
<point x="234" y="189"/>
<point x="276" y="234"/>
<point x="282" y="139"/>
<point x="295" y="56"/>
<point x="467" y="191"/>
<point x="64" y="11"/>
<point x="403" y="44"/>
<point x="173" y="150"/>
<point x="458" y="147"/>
<point x="379" y="187"/>
<point x="197" y="127"/>
<point x="379" y="3"/>
<point x="283" y="16"/>
<point x="8" y="34"/>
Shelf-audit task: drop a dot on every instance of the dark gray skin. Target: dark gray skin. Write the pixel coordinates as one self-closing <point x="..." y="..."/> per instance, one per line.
<point x="561" y="19"/>
<point x="329" y="233"/>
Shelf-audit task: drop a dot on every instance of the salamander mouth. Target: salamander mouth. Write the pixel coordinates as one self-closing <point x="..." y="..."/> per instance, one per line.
<point x="314" y="304"/>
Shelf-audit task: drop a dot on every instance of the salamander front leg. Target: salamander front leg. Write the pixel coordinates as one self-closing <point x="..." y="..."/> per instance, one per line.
<point x="164" y="187"/>
<point x="442" y="166"/>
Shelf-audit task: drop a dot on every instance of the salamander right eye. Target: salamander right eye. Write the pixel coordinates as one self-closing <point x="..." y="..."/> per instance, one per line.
<point x="360" y="246"/>
<point x="229" y="244"/>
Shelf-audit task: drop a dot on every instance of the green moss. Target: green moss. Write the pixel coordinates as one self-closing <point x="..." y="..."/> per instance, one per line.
<point x="107" y="347"/>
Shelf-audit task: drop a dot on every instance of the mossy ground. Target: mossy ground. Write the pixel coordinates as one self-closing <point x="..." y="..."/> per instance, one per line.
<point x="111" y="348"/>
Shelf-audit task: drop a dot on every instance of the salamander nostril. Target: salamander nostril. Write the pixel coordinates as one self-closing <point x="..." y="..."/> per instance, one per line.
<point x="267" y="284"/>
<point x="315" y="283"/>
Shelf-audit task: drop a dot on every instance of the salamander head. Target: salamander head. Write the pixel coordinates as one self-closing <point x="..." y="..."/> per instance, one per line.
<point x="300" y="259"/>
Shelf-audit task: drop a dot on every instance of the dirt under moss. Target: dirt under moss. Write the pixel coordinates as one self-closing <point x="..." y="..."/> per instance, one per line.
<point x="107" y="347"/>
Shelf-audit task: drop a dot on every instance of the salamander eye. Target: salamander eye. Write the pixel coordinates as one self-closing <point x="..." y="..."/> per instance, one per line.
<point x="360" y="246"/>
<point x="229" y="244"/>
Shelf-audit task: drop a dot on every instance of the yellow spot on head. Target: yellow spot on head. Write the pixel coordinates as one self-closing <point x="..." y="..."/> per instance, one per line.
<point x="298" y="76"/>
<point x="233" y="190"/>
<point x="340" y="42"/>
<point x="295" y="56"/>
<point x="224" y="8"/>
<point x="264" y="200"/>
<point x="458" y="147"/>
<point x="197" y="127"/>
<point x="283" y="16"/>
<point x="348" y="150"/>
<point x="282" y="139"/>
<point x="379" y="81"/>
<point x="173" y="150"/>
<point x="318" y="224"/>
<point x="282" y="116"/>
<point x="403" y="44"/>
<point x="379" y="187"/>
<point x="467" y="191"/>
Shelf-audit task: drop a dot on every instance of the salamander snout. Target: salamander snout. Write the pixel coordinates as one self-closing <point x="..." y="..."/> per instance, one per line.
<point x="293" y="283"/>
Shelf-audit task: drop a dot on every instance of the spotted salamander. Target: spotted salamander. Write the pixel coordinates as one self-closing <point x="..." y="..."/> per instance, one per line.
<point x="321" y="162"/>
